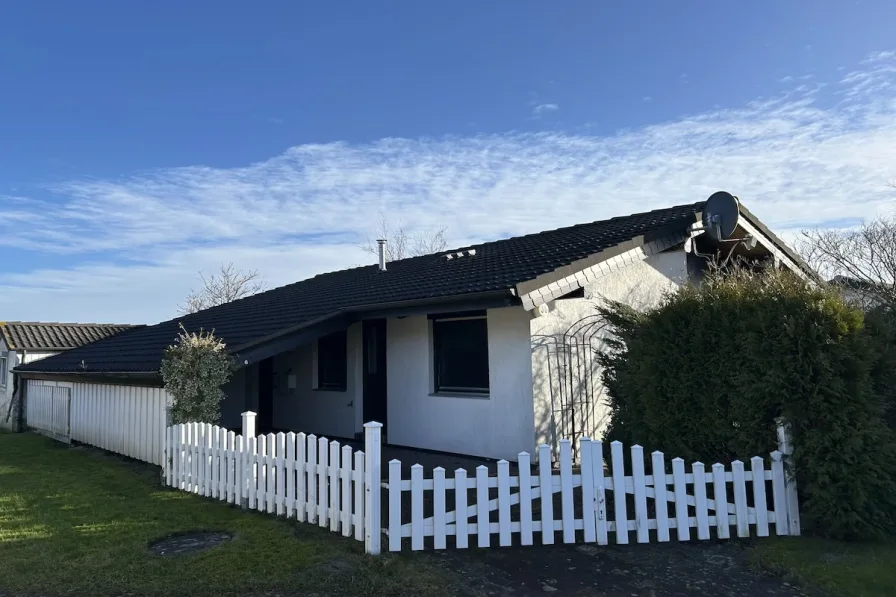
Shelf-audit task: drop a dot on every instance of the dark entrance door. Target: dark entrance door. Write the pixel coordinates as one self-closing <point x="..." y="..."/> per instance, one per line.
<point x="375" y="388"/>
<point x="265" y="419"/>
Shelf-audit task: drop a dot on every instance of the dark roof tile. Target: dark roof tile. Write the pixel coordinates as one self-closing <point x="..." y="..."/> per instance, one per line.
<point x="49" y="336"/>
<point x="496" y="266"/>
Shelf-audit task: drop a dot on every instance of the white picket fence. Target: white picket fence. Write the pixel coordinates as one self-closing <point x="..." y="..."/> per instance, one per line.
<point x="307" y="478"/>
<point x="49" y="411"/>
<point x="321" y="482"/>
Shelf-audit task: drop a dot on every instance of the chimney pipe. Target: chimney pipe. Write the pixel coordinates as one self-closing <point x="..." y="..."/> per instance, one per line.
<point x="381" y="242"/>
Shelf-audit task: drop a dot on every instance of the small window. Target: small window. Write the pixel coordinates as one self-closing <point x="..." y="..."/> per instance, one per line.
<point x="332" y="361"/>
<point x="2" y="371"/>
<point x="460" y="350"/>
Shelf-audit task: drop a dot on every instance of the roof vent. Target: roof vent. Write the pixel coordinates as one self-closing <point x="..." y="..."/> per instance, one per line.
<point x="459" y="254"/>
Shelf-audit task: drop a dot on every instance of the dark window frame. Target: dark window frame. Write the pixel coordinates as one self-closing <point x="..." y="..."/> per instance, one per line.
<point x="473" y="384"/>
<point x="332" y="347"/>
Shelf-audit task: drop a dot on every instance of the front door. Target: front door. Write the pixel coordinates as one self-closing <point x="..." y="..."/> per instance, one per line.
<point x="265" y="416"/>
<point x="375" y="389"/>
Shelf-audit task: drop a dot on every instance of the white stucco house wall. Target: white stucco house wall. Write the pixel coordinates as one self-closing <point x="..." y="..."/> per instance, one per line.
<point x="484" y="351"/>
<point x="23" y="342"/>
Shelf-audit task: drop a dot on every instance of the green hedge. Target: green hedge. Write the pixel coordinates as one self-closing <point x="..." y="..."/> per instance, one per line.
<point x="705" y="375"/>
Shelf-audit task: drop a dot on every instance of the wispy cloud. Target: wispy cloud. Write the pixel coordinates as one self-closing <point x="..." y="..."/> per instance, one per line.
<point x="540" y="109"/>
<point x="814" y="155"/>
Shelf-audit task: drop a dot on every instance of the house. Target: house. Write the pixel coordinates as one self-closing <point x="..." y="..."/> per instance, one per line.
<point x="25" y="342"/>
<point x="485" y="350"/>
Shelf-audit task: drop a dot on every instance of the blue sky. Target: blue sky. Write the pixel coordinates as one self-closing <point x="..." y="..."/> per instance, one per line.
<point x="143" y="141"/>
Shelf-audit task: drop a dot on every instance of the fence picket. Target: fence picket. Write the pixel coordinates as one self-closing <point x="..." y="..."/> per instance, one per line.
<point x="462" y="533"/>
<point x="271" y="472"/>
<point x="252" y="473"/>
<point x="417" y="507"/>
<point x="619" y="493"/>
<point x="323" y="497"/>
<point x="222" y="464"/>
<point x="240" y="462"/>
<point x="394" y="505"/>
<point x="567" y="512"/>
<point x="334" y="486"/>
<point x="721" y="498"/>
<point x="438" y="507"/>
<point x="311" y="469"/>
<point x="504" y="533"/>
<point x="700" y="507"/>
<point x="778" y="496"/>
<point x="482" y="509"/>
<point x="525" y="468"/>
<point x="681" y="500"/>
<point x="358" y="516"/>
<point x="757" y="465"/>
<point x="281" y="473"/>
<point x="660" y="490"/>
<point x="639" y="483"/>
<point x="302" y="460"/>
<point x="740" y="499"/>
<point x="232" y="476"/>
<point x="547" y="495"/>
<point x="207" y="460"/>
<point x="179" y="456"/>
<point x="215" y="464"/>
<point x="345" y="472"/>
<point x="261" y="459"/>
<point x="600" y="496"/>
<point x="290" y="471"/>
<point x="194" y="458"/>
<point x="587" y="490"/>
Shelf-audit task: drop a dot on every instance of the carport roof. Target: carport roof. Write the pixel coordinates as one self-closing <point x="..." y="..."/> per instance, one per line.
<point x="492" y="268"/>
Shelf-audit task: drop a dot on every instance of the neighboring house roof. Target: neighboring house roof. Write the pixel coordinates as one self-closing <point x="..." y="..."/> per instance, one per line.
<point x="33" y="335"/>
<point x="492" y="269"/>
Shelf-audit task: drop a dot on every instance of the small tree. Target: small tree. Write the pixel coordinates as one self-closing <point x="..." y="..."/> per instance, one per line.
<point x="229" y="284"/>
<point x="401" y="244"/>
<point x="193" y="369"/>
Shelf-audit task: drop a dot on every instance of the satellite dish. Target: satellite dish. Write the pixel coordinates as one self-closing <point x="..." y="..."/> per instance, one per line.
<point x="720" y="215"/>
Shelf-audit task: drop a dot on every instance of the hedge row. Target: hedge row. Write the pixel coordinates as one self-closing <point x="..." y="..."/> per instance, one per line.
<point x="705" y="375"/>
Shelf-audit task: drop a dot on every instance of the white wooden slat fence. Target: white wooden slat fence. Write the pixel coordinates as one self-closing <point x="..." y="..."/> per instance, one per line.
<point x="693" y="503"/>
<point x="49" y="411"/>
<point x="321" y="482"/>
<point x="305" y="477"/>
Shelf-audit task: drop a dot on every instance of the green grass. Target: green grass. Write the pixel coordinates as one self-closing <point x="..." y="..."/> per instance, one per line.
<point x="843" y="569"/>
<point x="75" y="521"/>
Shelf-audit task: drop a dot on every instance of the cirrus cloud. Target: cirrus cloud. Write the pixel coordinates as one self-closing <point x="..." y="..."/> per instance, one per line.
<point x="816" y="155"/>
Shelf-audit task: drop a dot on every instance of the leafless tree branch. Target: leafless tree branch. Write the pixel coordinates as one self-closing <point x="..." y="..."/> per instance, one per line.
<point x="228" y="284"/>
<point x="402" y="244"/>
<point x="865" y="257"/>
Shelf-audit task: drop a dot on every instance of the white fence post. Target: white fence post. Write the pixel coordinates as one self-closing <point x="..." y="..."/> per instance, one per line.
<point x="785" y="446"/>
<point x="373" y="474"/>
<point x="246" y="482"/>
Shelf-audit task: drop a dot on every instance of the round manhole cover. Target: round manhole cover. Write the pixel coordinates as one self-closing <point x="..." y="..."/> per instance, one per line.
<point x="183" y="543"/>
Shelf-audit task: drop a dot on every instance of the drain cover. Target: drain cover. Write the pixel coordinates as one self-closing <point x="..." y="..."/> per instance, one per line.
<point x="183" y="543"/>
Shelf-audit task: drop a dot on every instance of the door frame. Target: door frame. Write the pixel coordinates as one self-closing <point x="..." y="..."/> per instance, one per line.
<point x="368" y="410"/>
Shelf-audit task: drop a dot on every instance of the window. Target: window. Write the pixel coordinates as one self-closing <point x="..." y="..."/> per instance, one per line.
<point x="331" y="361"/>
<point x="2" y="371"/>
<point x="460" y="351"/>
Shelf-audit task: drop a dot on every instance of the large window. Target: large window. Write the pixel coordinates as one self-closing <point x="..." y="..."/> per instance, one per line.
<point x="331" y="361"/>
<point x="460" y="349"/>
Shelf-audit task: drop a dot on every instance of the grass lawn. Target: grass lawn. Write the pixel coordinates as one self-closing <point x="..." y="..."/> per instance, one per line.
<point x="75" y="521"/>
<point x="844" y="569"/>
